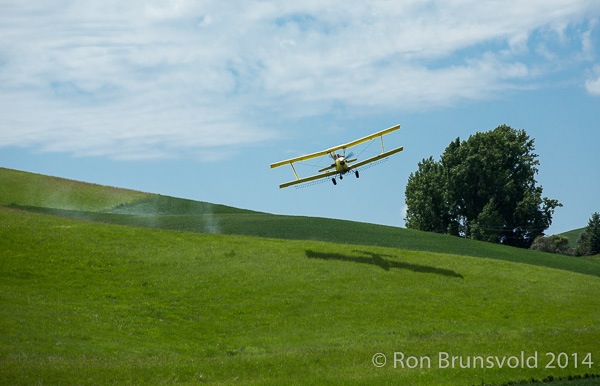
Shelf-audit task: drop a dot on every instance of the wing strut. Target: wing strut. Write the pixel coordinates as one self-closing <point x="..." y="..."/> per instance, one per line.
<point x="294" y="169"/>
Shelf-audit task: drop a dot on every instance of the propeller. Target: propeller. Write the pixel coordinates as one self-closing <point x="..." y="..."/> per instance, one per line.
<point x="346" y="160"/>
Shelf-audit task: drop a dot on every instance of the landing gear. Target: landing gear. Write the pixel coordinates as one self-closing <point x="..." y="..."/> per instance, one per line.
<point x="356" y="173"/>
<point x="334" y="181"/>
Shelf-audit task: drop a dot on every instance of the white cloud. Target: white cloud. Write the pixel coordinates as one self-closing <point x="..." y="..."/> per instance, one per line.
<point x="592" y="85"/>
<point x="151" y="79"/>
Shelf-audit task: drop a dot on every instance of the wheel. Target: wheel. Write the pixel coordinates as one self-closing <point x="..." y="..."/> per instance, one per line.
<point x="356" y="173"/>
<point x="334" y="181"/>
<point x="341" y="177"/>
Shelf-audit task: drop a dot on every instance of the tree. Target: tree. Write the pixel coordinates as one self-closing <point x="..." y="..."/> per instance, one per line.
<point x="482" y="188"/>
<point x="425" y="199"/>
<point x="589" y="241"/>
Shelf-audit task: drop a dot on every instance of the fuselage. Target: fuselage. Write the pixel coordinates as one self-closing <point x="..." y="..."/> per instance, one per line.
<point x="341" y="166"/>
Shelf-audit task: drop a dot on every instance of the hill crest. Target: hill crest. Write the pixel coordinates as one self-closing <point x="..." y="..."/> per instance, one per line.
<point x="85" y="201"/>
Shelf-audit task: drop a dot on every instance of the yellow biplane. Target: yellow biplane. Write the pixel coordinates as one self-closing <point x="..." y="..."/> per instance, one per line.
<point x="342" y="164"/>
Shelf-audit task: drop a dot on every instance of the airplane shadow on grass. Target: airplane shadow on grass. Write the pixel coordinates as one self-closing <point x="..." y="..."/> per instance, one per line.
<point x="381" y="261"/>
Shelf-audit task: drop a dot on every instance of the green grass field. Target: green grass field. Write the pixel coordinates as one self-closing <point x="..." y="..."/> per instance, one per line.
<point x="102" y="285"/>
<point x="573" y="236"/>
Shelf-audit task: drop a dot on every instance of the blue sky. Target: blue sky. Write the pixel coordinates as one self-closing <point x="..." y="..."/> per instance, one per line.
<point x="196" y="99"/>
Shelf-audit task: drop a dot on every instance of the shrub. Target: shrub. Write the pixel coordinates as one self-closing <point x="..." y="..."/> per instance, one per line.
<point x="553" y="244"/>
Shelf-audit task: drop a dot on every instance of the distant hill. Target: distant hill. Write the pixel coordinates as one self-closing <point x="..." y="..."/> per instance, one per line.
<point x="573" y="236"/>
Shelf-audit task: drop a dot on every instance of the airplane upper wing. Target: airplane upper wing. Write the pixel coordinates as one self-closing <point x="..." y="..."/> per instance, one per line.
<point x="342" y="146"/>
<point x="301" y="158"/>
<point x="369" y="137"/>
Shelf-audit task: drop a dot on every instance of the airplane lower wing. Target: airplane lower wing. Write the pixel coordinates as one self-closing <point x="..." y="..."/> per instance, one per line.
<point x="307" y="179"/>
<point x="327" y="168"/>
<point x="376" y="158"/>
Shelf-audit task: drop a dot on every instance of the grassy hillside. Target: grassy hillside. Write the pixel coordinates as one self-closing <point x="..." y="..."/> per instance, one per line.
<point x="148" y="293"/>
<point x="22" y="188"/>
<point x="53" y="195"/>
<point x="83" y="302"/>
